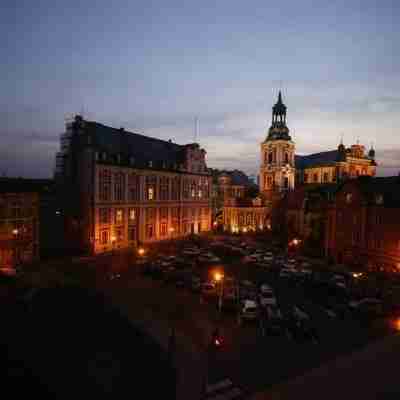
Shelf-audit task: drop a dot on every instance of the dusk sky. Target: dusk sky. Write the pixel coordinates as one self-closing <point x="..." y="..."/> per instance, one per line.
<point x="153" y="66"/>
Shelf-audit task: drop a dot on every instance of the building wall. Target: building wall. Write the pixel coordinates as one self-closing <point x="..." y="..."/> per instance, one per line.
<point x="244" y="219"/>
<point x="274" y="169"/>
<point x="162" y="205"/>
<point x="358" y="232"/>
<point x="19" y="228"/>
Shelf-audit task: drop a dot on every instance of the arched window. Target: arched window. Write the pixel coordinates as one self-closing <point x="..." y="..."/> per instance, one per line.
<point x="269" y="158"/>
<point x="286" y="158"/>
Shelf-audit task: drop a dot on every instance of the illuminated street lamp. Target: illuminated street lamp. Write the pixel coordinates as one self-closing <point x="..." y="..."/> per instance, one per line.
<point x="244" y="230"/>
<point x="219" y="278"/>
<point x="141" y="251"/>
<point x="15" y="233"/>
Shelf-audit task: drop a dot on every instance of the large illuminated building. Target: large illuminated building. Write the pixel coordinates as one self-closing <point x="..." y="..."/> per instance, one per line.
<point x="281" y="170"/>
<point x="121" y="188"/>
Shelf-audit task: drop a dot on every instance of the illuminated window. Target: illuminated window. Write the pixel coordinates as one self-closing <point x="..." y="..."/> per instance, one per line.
<point x="315" y="177"/>
<point x="326" y="177"/>
<point x="132" y="214"/>
<point x="163" y="229"/>
<point x="200" y="193"/>
<point x="349" y="197"/>
<point x="119" y="233"/>
<point x="104" y="237"/>
<point x="119" y="215"/>
<point x="151" y="182"/>
<point x="150" y="193"/>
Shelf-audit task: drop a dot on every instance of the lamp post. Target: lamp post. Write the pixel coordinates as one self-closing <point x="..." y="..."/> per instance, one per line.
<point x="15" y="233"/>
<point x="219" y="277"/>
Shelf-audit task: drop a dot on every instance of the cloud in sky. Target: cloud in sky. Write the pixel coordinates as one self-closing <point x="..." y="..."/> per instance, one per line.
<point x="154" y="66"/>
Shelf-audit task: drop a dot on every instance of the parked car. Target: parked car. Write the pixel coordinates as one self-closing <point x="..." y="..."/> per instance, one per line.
<point x="249" y="310"/>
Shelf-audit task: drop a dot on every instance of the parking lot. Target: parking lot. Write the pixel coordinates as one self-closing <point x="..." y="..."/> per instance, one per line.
<point x="257" y="315"/>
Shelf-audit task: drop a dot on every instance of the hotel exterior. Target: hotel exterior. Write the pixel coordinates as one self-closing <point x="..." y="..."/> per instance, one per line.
<point x="120" y="189"/>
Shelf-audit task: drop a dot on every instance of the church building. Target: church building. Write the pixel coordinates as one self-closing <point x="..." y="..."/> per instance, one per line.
<point x="281" y="170"/>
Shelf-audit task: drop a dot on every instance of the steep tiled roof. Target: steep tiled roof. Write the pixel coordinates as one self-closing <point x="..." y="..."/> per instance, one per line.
<point x="323" y="158"/>
<point x="142" y="148"/>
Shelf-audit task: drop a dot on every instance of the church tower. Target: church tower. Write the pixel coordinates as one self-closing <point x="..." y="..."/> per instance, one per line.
<point x="277" y="170"/>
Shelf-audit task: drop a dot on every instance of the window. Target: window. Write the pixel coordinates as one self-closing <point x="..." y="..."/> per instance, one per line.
<point x="379" y="199"/>
<point x="269" y="158"/>
<point x="269" y="181"/>
<point x="349" y="197"/>
<point x="274" y="155"/>
<point x="164" y="188"/>
<point x="175" y="188"/>
<point x="105" y="215"/>
<point x="186" y="185"/>
<point x="200" y="193"/>
<point x="326" y="177"/>
<point x="133" y="187"/>
<point x="193" y="189"/>
<point x="286" y="158"/>
<point x="132" y="215"/>
<point x="105" y="185"/>
<point x="286" y="183"/>
<point x="305" y="178"/>
<point x="150" y="215"/>
<point x="164" y="213"/>
<point x="163" y="229"/>
<point x="315" y="177"/>
<point x="104" y="235"/>
<point x="119" y="186"/>
<point x="149" y="231"/>
<point x="96" y="156"/>
<point x="175" y="212"/>
<point x="151" y="182"/>
<point x="132" y="160"/>
<point x="151" y="164"/>
<point x="132" y="233"/>
<point x="248" y="219"/>
<point x="119" y="233"/>
<point x="119" y="216"/>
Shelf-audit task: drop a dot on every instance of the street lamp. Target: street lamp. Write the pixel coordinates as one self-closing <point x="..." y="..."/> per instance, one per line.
<point x="15" y="233"/>
<point x="219" y="278"/>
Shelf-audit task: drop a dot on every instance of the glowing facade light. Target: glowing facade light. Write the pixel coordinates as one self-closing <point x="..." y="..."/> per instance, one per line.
<point x="244" y="230"/>
<point x="218" y="276"/>
<point x="15" y="232"/>
<point x="171" y="229"/>
<point x="113" y="238"/>
<point x="141" y="251"/>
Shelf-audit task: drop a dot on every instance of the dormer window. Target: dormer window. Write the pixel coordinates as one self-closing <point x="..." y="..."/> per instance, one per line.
<point x="349" y="197"/>
<point x="118" y="158"/>
<point x="132" y="160"/>
<point x="104" y="156"/>
<point x="379" y="199"/>
<point x="96" y="156"/>
<point x="150" y="164"/>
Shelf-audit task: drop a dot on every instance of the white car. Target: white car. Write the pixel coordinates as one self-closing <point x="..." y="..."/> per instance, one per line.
<point x="249" y="310"/>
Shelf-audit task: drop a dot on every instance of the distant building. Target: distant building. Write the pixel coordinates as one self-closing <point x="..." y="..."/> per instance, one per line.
<point x="20" y="216"/>
<point x="281" y="170"/>
<point x="122" y="188"/>
<point x="277" y="170"/>
<point x="335" y="165"/>
<point x="363" y="224"/>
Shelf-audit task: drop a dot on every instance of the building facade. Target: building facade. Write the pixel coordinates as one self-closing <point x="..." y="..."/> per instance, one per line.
<point x="246" y="215"/>
<point x="335" y="166"/>
<point x="363" y="224"/>
<point x="121" y="188"/>
<point x="19" y="221"/>
<point x="277" y="169"/>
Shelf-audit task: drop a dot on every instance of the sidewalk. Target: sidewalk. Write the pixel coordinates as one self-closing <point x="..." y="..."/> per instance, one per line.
<point x="370" y="374"/>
